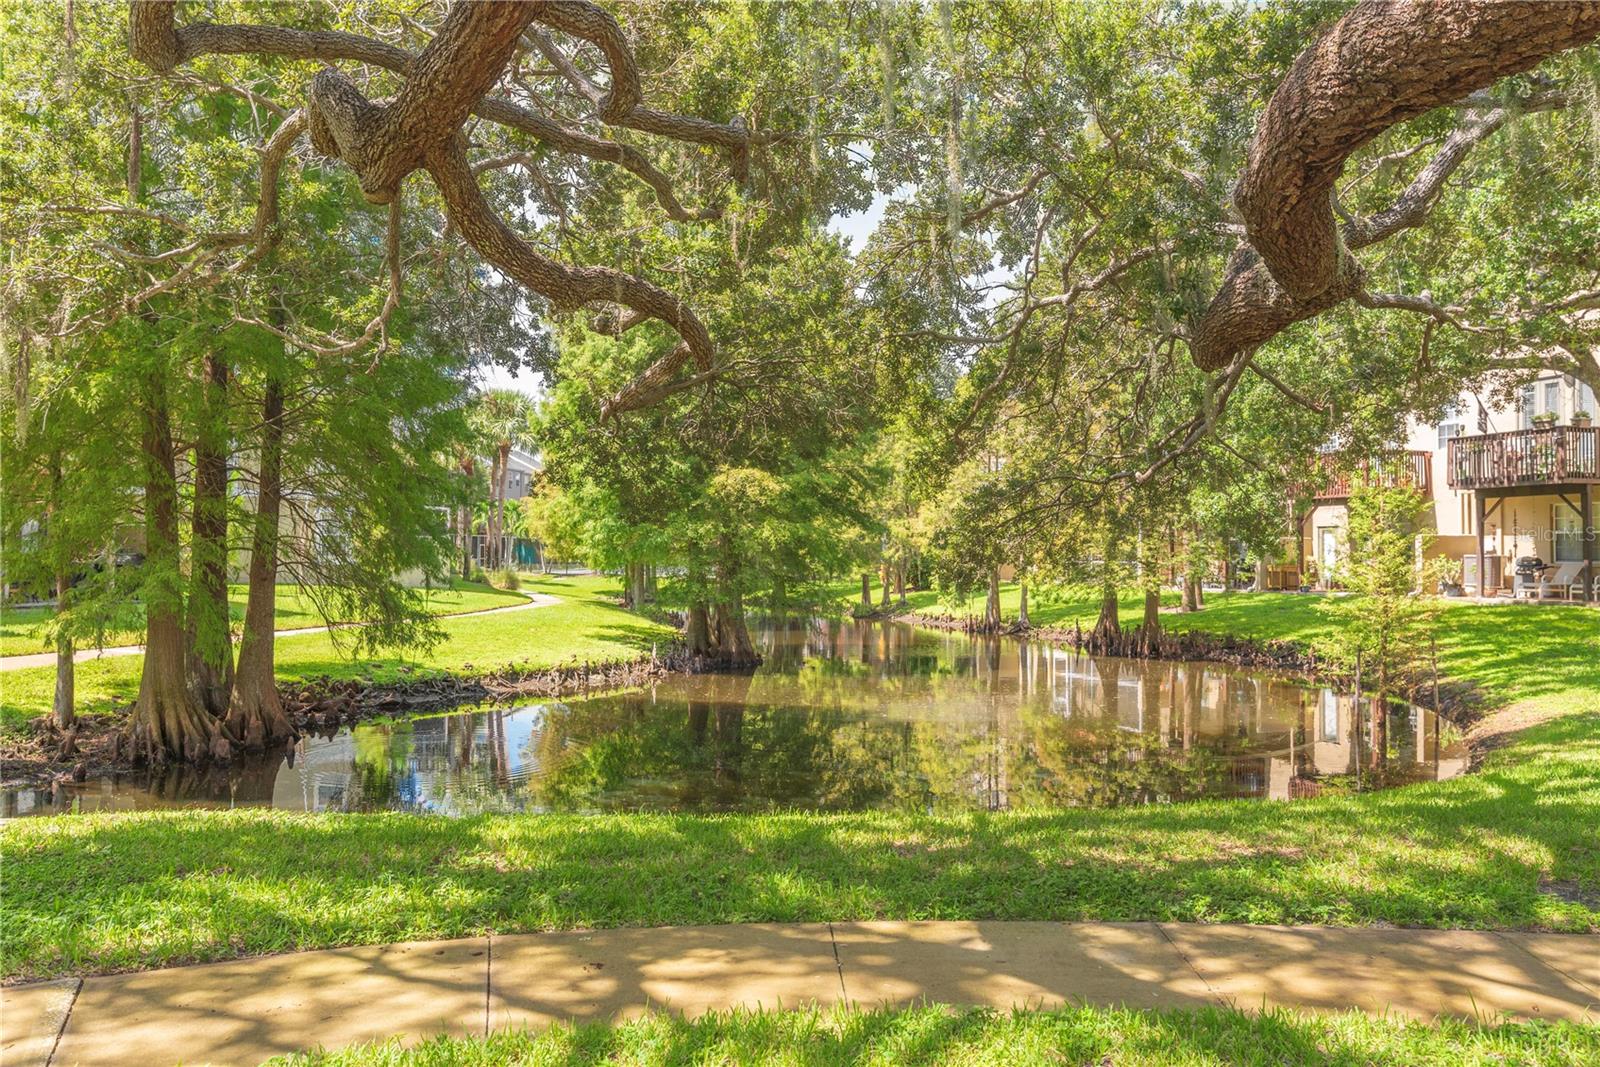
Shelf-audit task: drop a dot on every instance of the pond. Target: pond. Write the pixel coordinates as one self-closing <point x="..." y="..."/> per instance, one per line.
<point x="843" y="716"/>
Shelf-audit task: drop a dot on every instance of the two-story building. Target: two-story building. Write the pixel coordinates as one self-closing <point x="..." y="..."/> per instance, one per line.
<point x="1505" y="482"/>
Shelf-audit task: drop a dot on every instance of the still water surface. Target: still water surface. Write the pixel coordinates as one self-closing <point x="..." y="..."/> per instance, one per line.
<point x="842" y="716"/>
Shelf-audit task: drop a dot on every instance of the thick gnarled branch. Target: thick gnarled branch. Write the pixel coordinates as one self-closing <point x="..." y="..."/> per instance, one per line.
<point x="1379" y="65"/>
<point x="564" y="286"/>
<point x="158" y="43"/>
<point x="382" y="142"/>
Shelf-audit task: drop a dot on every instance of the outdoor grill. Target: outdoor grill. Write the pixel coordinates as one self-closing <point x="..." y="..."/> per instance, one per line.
<point x="1530" y="567"/>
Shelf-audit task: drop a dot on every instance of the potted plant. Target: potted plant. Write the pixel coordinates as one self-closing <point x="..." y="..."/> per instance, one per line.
<point x="1581" y="418"/>
<point x="1544" y="420"/>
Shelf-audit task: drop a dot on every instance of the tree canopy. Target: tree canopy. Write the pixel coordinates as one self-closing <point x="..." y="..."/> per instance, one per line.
<point x="1130" y="267"/>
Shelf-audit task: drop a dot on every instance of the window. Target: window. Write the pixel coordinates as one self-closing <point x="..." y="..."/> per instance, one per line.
<point x="1552" y="398"/>
<point x="1448" y="430"/>
<point x="1527" y="406"/>
<point x="1568" y="535"/>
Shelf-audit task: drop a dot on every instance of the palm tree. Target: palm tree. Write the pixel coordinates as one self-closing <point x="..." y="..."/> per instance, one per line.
<point x="501" y="420"/>
<point x="516" y="520"/>
<point x="466" y="461"/>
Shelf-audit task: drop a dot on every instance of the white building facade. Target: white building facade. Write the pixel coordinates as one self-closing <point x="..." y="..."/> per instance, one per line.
<point x="1506" y="482"/>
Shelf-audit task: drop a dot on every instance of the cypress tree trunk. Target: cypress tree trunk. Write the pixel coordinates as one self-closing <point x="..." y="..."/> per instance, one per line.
<point x="1022" y="607"/>
<point x="255" y="715"/>
<point x="900" y="585"/>
<point x="167" y="720"/>
<point x="1152" y="612"/>
<point x="991" y="607"/>
<point x="697" y="630"/>
<point x="732" y="636"/>
<point x="866" y="592"/>
<point x="211" y="665"/>
<point x="1108" y="625"/>
<point x="464" y="517"/>
<point x="64" y="705"/>
<point x="500" y="504"/>
<point x="883" y="580"/>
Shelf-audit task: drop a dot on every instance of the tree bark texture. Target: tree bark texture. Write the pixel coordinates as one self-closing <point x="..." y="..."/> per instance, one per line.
<point x="697" y="629"/>
<point x="64" y="705"/>
<point x="1109" y="624"/>
<point x="211" y="666"/>
<point x="733" y="642"/>
<point x="255" y="714"/>
<point x="1382" y="63"/>
<point x="167" y="721"/>
<point x="1152" y="612"/>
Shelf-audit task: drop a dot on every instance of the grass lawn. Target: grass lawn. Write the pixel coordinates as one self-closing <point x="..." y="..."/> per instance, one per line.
<point x="1515" y="845"/>
<point x="585" y="625"/>
<point x="932" y="1035"/>
<point x="22" y="629"/>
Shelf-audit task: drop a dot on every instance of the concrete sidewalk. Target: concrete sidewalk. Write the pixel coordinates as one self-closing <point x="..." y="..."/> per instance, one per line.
<point x="245" y="1011"/>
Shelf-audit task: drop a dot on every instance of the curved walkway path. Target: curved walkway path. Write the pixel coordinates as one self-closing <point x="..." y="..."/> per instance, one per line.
<point x="247" y="1010"/>
<point x="48" y="659"/>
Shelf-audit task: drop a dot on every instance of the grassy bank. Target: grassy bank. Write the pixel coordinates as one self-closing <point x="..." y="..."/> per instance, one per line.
<point x="930" y="1035"/>
<point x="1516" y="845"/>
<point x="1514" y="652"/>
<point x="1513" y="846"/>
<point x="22" y="630"/>
<point x="586" y="624"/>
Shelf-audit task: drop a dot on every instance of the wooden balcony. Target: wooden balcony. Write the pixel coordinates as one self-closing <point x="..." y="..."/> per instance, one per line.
<point x="1560" y="455"/>
<point x="1397" y="468"/>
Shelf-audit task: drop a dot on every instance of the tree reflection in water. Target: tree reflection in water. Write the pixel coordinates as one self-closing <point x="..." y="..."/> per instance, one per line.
<point x="845" y="716"/>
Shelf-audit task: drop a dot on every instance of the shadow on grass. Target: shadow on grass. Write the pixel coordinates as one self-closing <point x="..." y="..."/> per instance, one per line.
<point x="96" y="893"/>
<point x="935" y="1035"/>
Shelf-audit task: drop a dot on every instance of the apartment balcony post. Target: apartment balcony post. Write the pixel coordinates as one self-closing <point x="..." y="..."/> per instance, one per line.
<point x="1586" y="527"/>
<point x="1483" y="564"/>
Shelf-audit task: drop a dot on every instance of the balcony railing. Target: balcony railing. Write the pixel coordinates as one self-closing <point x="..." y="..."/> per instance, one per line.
<point x="1413" y="468"/>
<point x="1553" y="456"/>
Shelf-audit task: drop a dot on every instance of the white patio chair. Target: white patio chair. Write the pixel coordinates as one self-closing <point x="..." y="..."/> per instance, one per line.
<point x="1560" y="580"/>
